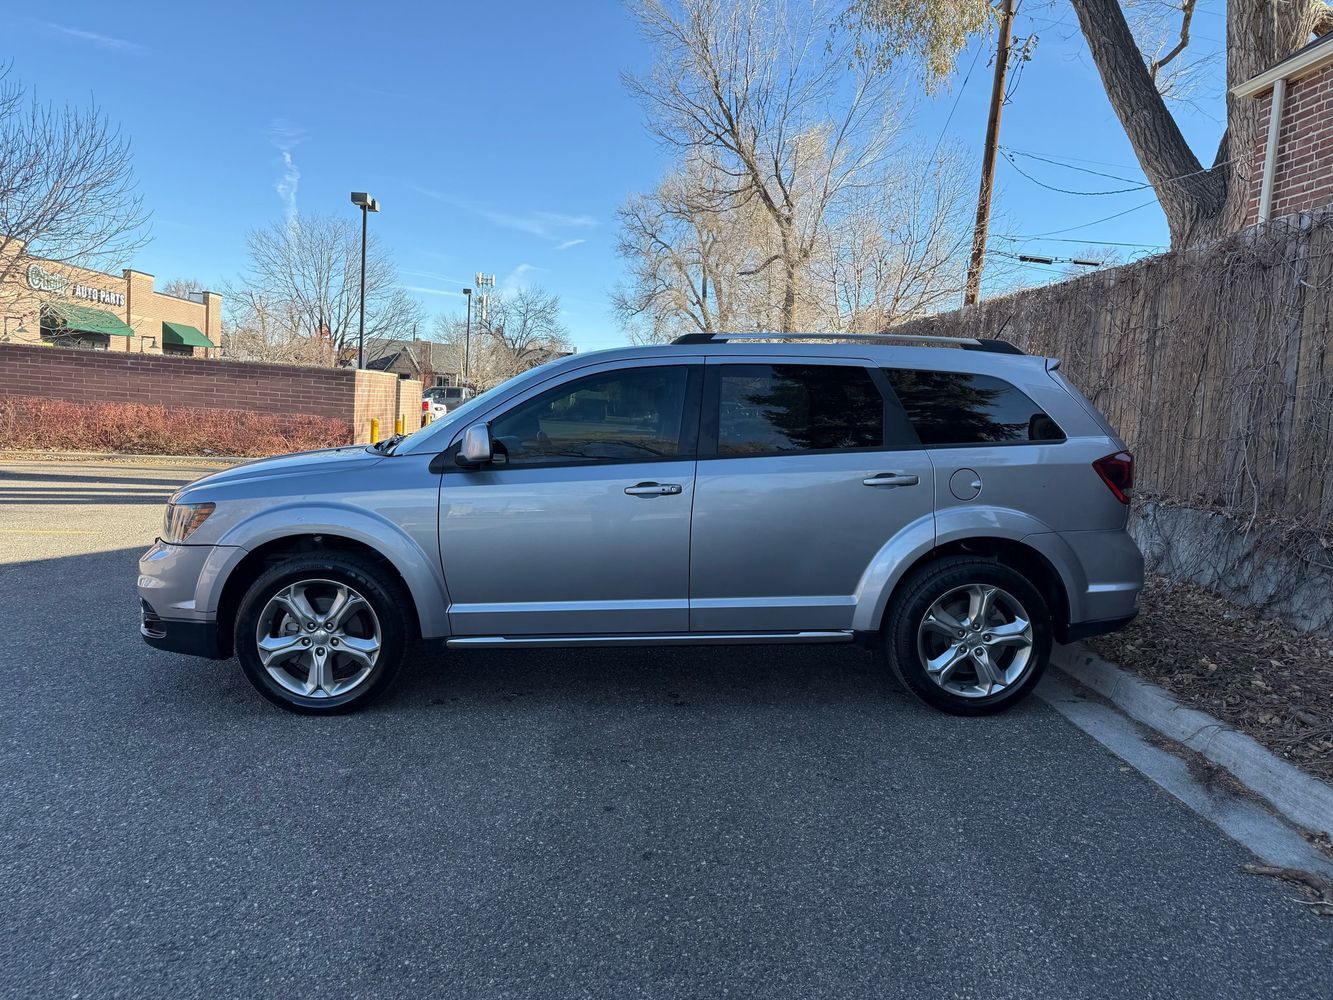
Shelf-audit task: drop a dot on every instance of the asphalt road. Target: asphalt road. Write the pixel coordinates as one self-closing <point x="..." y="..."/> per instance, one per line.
<point x="760" y="822"/>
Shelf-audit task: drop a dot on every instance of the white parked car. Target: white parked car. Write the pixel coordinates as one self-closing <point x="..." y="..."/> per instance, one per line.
<point x="432" y="406"/>
<point x="445" y="399"/>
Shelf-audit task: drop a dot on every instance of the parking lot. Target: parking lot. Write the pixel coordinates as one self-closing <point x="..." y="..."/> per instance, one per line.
<point x="747" y="822"/>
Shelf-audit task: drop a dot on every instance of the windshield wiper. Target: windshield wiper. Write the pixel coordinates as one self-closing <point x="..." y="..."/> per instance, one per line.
<point x="385" y="446"/>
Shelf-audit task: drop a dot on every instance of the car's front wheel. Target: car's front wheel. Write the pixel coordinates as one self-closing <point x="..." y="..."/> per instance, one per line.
<point x="969" y="636"/>
<point x="321" y="634"/>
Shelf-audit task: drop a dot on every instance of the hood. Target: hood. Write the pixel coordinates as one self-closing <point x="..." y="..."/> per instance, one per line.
<point x="321" y="462"/>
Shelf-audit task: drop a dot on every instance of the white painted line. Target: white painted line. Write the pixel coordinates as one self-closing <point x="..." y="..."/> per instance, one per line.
<point x="1270" y="839"/>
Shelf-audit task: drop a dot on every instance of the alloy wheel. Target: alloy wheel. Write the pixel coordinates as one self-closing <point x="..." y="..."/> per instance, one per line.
<point x="318" y="638"/>
<point x="976" y="640"/>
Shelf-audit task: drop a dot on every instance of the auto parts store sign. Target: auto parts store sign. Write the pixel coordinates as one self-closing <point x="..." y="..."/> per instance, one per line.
<point x="43" y="280"/>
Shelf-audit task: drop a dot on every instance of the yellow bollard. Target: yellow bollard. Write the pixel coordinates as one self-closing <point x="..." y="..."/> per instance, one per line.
<point x="398" y="425"/>
<point x="374" y="431"/>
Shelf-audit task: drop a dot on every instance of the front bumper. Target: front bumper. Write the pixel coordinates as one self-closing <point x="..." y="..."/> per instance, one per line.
<point x="178" y="602"/>
<point x="193" y="638"/>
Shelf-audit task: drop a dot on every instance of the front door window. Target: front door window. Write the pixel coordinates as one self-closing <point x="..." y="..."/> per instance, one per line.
<point x="632" y="415"/>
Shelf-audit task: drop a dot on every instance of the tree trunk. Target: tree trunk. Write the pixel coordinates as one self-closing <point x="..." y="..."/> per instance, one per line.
<point x="1199" y="203"/>
<point x="788" y="297"/>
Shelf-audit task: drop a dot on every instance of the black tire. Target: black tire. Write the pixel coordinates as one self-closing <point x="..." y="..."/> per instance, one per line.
<point x="386" y="598"/>
<point x="907" y="613"/>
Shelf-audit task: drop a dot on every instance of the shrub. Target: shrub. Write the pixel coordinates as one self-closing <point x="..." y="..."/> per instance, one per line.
<point x="38" y="424"/>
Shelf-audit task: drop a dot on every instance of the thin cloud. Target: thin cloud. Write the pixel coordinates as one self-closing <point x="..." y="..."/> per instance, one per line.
<point x="422" y="290"/>
<point x="435" y="276"/>
<point x="547" y="225"/>
<point x="285" y="137"/>
<point x="554" y="227"/>
<point x="517" y="278"/>
<point x="570" y="243"/>
<point x="93" y="38"/>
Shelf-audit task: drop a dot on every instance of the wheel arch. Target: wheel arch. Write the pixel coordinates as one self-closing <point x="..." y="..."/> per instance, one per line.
<point x="1017" y="555"/>
<point x="1008" y="539"/>
<point x="249" y="566"/>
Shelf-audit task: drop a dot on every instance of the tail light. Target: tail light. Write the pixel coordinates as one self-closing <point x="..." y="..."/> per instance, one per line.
<point x="1117" y="472"/>
<point x="425" y="406"/>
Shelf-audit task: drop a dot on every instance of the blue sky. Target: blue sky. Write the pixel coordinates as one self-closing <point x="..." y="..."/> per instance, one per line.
<point x="497" y="136"/>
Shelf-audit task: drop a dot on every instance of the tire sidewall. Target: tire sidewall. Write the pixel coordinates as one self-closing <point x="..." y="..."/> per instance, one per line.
<point x="383" y="599"/>
<point x="921" y="590"/>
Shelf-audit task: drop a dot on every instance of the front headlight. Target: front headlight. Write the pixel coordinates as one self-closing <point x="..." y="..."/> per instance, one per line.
<point x="182" y="520"/>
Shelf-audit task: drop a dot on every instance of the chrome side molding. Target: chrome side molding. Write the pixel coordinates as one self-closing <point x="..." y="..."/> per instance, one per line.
<point x="665" y="639"/>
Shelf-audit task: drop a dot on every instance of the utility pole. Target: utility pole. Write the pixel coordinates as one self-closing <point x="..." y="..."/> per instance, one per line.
<point x="973" y="289"/>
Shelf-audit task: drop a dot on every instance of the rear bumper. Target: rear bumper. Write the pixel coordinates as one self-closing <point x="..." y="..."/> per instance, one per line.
<point x="1078" y="631"/>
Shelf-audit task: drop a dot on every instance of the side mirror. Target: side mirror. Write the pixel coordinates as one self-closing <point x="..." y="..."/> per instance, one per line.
<point x="476" y="447"/>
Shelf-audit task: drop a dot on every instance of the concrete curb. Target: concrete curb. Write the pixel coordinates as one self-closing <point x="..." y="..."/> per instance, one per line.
<point x="1302" y="799"/>
<point x="15" y="455"/>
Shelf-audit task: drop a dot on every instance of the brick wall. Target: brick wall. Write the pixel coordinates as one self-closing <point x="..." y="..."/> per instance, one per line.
<point x="117" y="377"/>
<point x="1303" y="173"/>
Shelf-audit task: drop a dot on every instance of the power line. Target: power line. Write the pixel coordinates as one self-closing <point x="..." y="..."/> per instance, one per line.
<point x="957" y="97"/>
<point x="1051" y="187"/>
<point x="1101" y="243"/>
<point x="1094" y="222"/>
<point x="1072" y="159"/>
<point x="1068" y="166"/>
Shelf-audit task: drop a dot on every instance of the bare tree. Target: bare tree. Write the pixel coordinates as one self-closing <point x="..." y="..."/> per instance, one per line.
<point x="523" y="330"/>
<point x="684" y="256"/>
<point x="182" y="288"/>
<point x="900" y="249"/>
<point x="260" y="327"/>
<point x="786" y="112"/>
<point x="311" y="265"/>
<point x="66" y="186"/>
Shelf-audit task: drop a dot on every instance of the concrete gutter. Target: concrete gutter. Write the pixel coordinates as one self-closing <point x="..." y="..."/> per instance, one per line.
<point x="1303" y="800"/>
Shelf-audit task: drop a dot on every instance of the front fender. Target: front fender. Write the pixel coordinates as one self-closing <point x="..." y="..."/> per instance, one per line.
<point x="420" y="570"/>
<point x="955" y="524"/>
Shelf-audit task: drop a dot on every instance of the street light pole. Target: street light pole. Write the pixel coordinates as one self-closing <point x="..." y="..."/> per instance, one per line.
<point x="467" y="337"/>
<point x="367" y="204"/>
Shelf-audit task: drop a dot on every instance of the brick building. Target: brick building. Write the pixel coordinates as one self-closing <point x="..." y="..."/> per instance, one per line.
<point x="44" y="301"/>
<point x="1293" y="158"/>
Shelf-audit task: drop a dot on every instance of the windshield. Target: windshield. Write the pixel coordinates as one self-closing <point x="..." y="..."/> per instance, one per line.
<point x="465" y="411"/>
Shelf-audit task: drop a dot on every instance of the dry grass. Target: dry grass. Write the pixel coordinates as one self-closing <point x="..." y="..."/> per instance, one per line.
<point x="1259" y="675"/>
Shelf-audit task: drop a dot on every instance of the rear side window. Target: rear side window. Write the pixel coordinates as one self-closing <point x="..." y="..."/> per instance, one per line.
<point x="961" y="408"/>
<point x="775" y="409"/>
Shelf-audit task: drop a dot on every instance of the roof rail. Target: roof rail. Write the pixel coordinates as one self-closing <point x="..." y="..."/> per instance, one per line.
<point x="966" y="343"/>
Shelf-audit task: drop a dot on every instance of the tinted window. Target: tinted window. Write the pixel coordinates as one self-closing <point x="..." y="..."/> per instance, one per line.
<point x="625" y="416"/>
<point x="765" y="409"/>
<point x="958" y="408"/>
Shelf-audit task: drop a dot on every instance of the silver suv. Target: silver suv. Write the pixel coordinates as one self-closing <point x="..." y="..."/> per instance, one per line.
<point x="957" y="509"/>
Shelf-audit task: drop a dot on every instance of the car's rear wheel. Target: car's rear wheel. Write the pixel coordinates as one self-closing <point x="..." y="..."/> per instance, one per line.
<point x="969" y="636"/>
<point x="321" y="634"/>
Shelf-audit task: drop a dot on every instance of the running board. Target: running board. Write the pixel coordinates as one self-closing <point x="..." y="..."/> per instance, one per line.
<point x="666" y="639"/>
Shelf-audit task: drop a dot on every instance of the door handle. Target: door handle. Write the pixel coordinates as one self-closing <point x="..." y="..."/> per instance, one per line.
<point x="653" y="490"/>
<point x="891" y="479"/>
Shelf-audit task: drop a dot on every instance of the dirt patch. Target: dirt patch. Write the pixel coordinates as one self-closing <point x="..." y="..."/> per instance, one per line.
<point x="1266" y="679"/>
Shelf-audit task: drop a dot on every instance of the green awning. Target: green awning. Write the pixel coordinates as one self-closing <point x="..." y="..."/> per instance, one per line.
<point x="180" y="333"/>
<point x="84" y="319"/>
